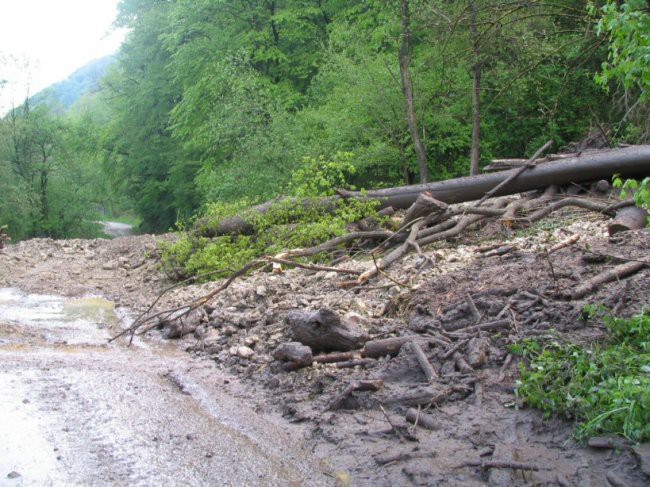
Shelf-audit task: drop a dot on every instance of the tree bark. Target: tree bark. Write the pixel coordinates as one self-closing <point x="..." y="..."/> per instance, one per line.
<point x="628" y="162"/>
<point x="405" y="57"/>
<point x="476" y="92"/>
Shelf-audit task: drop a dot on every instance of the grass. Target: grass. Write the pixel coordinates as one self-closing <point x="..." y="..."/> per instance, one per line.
<point x="605" y="388"/>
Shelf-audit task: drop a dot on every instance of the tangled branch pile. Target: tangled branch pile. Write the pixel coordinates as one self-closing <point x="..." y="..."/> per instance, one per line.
<point x="389" y="235"/>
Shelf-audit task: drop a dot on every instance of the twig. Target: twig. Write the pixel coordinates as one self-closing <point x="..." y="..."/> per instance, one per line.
<point x="504" y="367"/>
<point x="613" y="274"/>
<point x="472" y="307"/>
<point x="454" y="349"/>
<point x="393" y="256"/>
<point x="529" y="163"/>
<point x="418" y="418"/>
<point x="426" y="366"/>
<point x="565" y="243"/>
<point x="186" y="309"/>
<point x="499" y="464"/>
<point x="313" y="267"/>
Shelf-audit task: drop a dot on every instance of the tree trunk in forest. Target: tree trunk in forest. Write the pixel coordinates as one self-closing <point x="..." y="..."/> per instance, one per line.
<point x="405" y="57"/>
<point x="476" y="91"/>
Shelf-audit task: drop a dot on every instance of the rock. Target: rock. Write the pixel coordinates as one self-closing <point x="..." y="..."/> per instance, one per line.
<point x="109" y="266"/>
<point x="210" y="336"/>
<point x="229" y="330"/>
<point x="245" y="352"/>
<point x="13" y="475"/>
<point x="356" y="318"/>
<point x="261" y="291"/>
<point x="250" y="341"/>
<point x="295" y="352"/>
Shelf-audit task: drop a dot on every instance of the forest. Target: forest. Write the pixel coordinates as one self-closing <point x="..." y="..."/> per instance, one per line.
<point x="223" y="104"/>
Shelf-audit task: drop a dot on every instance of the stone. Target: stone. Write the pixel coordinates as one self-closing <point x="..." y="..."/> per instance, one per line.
<point x="294" y="352"/>
<point x="229" y="330"/>
<point x="13" y="475"/>
<point x="245" y="352"/>
<point x="356" y="318"/>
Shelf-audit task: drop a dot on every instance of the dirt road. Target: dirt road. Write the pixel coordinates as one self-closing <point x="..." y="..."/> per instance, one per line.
<point x="117" y="229"/>
<point x="75" y="410"/>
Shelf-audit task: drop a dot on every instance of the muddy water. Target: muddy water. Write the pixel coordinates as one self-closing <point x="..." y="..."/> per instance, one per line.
<point x="75" y="410"/>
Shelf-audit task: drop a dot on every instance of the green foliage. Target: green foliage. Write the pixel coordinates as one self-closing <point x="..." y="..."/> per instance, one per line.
<point x="302" y="221"/>
<point x="320" y="177"/>
<point x="631" y="188"/>
<point x="46" y="183"/>
<point x="605" y="388"/>
<point x="628" y="26"/>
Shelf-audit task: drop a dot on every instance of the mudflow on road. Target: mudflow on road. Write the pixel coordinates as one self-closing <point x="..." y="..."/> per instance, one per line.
<point x="76" y="410"/>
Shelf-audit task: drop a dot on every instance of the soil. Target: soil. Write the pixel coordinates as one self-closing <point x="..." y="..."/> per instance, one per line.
<point x="366" y="440"/>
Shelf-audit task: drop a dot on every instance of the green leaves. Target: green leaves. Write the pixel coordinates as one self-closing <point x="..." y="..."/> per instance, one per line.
<point x="606" y="387"/>
<point x="628" y="26"/>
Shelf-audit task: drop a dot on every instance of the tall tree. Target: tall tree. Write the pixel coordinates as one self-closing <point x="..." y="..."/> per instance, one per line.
<point x="405" y="58"/>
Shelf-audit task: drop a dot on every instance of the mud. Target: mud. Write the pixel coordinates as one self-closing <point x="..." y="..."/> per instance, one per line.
<point x="79" y="411"/>
<point x="478" y="416"/>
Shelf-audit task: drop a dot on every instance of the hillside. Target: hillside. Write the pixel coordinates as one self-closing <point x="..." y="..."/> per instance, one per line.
<point x="63" y="95"/>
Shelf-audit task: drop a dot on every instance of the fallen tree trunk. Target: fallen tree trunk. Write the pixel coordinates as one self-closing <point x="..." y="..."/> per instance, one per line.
<point x="627" y="162"/>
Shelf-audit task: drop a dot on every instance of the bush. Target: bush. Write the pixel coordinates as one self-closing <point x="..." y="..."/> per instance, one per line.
<point x="605" y="388"/>
<point x="287" y="224"/>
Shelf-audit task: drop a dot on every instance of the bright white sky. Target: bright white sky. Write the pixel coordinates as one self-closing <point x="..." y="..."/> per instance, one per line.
<point x="44" y="41"/>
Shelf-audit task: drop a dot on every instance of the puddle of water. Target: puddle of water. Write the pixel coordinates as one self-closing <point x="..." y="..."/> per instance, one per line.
<point x="56" y="319"/>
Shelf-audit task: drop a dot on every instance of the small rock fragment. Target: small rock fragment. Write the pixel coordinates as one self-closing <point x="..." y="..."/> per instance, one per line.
<point x="294" y="352"/>
<point x="245" y="352"/>
<point x="13" y="475"/>
<point x="109" y="266"/>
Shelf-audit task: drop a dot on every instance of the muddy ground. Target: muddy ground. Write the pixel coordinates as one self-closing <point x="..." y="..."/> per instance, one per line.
<point x="365" y="439"/>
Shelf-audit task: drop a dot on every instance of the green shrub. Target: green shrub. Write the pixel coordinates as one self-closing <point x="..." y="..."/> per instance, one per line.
<point x="605" y="388"/>
<point x="303" y="221"/>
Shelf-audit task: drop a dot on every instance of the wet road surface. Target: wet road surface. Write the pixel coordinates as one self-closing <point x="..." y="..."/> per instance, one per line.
<point x="117" y="229"/>
<point x="75" y="410"/>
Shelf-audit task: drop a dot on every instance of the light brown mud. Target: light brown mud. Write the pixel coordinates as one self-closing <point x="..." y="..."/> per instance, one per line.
<point x="75" y="410"/>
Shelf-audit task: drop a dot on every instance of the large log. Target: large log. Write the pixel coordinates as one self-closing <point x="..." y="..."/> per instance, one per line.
<point x="627" y="162"/>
